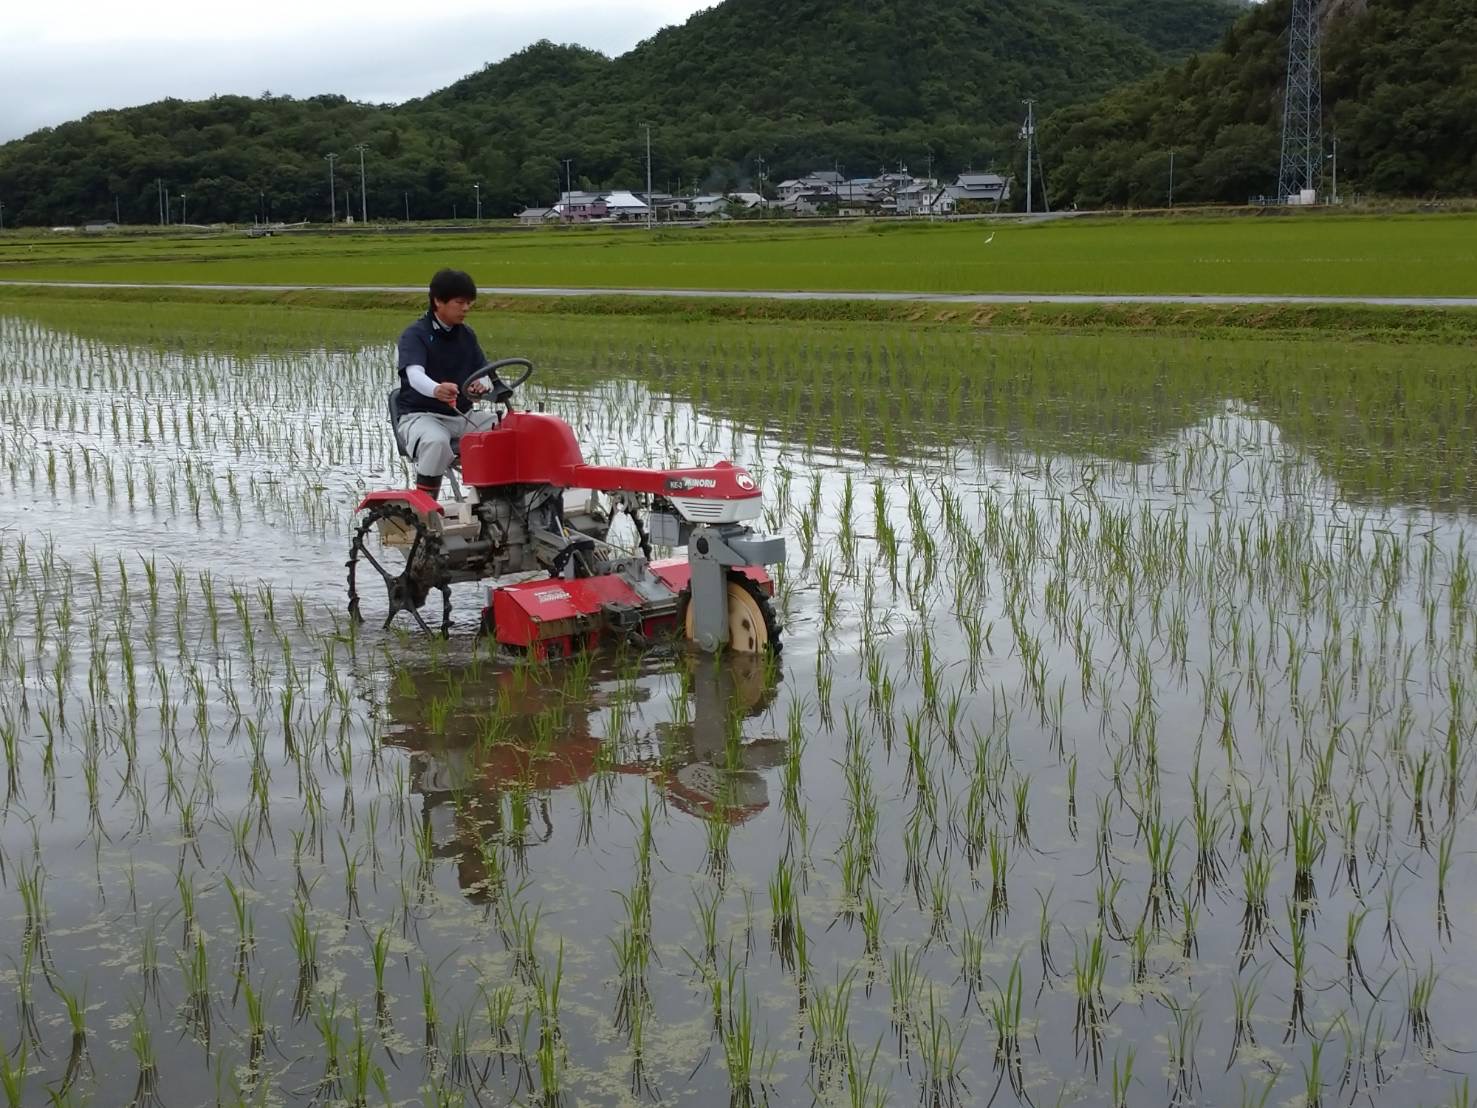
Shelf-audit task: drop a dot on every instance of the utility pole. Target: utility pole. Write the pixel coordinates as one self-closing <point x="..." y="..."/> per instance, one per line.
<point x="2" y="215"/>
<point x="407" y="206"/>
<point x="648" y="176"/>
<point x="565" y="204"/>
<point x="363" y="203"/>
<point x="1171" y="178"/>
<point x="332" y="190"/>
<point x="477" y="189"/>
<point x="1334" y="199"/>
<point x="1030" y="130"/>
<point x="159" y="190"/>
<point x="183" y="211"/>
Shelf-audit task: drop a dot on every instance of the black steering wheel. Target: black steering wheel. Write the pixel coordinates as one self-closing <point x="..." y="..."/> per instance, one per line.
<point x="504" y="394"/>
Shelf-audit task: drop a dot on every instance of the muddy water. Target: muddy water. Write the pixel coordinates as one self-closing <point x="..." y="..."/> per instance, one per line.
<point x="1038" y="716"/>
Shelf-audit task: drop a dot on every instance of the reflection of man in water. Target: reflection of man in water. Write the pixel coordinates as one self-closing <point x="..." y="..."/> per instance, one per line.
<point x="506" y="784"/>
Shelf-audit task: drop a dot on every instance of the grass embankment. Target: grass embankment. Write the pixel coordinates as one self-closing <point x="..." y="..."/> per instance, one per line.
<point x="1306" y="255"/>
<point x="1343" y="322"/>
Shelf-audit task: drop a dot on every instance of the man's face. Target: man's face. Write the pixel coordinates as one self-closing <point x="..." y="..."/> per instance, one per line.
<point x="452" y="312"/>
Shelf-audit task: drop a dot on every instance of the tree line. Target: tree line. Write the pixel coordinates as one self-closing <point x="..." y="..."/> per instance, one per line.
<point x="1399" y="94"/>
<point x="743" y="92"/>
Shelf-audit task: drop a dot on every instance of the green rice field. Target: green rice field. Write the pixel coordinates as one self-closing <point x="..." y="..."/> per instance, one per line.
<point x="1409" y="255"/>
<point x="1120" y="750"/>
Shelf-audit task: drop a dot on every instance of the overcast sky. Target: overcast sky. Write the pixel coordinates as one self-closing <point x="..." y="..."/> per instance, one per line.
<point x="59" y="64"/>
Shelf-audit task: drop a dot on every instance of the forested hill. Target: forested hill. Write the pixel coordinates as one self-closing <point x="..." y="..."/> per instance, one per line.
<point x="1399" y="93"/>
<point x="803" y="84"/>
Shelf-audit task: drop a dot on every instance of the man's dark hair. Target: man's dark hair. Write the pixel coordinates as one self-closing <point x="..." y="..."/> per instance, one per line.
<point x="452" y="284"/>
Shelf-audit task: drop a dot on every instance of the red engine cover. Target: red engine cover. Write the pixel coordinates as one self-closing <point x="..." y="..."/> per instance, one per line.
<point x="527" y="448"/>
<point x="530" y="448"/>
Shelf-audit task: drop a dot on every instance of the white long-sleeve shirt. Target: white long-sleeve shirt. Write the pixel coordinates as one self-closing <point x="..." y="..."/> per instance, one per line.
<point x="416" y="375"/>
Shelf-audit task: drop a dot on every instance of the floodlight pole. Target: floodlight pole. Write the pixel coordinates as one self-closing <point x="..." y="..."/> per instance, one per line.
<point x="363" y="203"/>
<point x="1171" y="178"/>
<point x="477" y="189"/>
<point x="332" y="190"/>
<point x="183" y="211"/>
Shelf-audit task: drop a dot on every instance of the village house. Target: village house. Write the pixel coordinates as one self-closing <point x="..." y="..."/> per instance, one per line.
<point x="987" y="188"/>
<point x="625" y="206"/>
<point x="709" y="204"/>
<point x="581" y="207"/>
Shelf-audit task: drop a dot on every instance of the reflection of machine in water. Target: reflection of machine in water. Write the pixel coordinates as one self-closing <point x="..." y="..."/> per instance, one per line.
<point x="486" y="759"/>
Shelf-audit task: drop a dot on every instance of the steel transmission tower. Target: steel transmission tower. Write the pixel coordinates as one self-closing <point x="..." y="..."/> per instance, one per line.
<point x="1302" y="111"/>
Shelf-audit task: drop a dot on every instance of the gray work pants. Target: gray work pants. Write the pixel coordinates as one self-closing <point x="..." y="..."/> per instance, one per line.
<point x="432" y="440"/>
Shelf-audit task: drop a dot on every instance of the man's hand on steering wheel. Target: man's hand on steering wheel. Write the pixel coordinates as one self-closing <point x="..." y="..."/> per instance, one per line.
<point x="486" y="382"/>
<point x="489" y="387"/>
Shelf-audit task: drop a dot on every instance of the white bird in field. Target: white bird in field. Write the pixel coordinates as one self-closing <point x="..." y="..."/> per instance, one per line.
<point x="990" y="239"/>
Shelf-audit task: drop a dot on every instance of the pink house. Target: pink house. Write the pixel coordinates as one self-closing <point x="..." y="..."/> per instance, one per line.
<point x="580" y="207"/>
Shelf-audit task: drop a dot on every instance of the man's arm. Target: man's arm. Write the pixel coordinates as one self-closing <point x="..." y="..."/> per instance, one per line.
<point x="416" y="375"/>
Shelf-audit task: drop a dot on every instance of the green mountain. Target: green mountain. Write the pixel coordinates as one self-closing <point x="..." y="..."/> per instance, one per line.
<point x="1399" y="93"/>
<point x="802" y="84"/>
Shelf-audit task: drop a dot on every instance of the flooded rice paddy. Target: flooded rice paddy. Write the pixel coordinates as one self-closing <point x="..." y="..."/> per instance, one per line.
<point x="1121" y="748"/>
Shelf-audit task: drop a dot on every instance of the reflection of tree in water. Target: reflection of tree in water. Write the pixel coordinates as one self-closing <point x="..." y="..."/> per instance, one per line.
<point x="487" y="757"/>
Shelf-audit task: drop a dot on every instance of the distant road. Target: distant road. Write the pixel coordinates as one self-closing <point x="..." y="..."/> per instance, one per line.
<point x="977" y="298"/>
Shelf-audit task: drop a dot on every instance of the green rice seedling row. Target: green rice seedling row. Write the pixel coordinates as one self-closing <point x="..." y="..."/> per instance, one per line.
<point x="1120" y="749"/>
<point x="1304" y="255"/>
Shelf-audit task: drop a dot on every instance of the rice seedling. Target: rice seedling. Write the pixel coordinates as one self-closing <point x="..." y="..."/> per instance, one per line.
<point x="1005" y="1017"/>
<point x="1295" y="574"/>
<point x="748" y="1062"/>
<point x="13" y="1070"/>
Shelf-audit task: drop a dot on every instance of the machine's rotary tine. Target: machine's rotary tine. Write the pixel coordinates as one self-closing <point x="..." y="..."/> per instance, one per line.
<point x="405" y="583"/>
<point x="419" y="619"/>
<point x="445" y="610"/>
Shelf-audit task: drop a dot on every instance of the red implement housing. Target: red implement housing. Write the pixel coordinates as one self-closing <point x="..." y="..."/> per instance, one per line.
<point x="554" y="617"/>
<point x="529" y="448"/>
<point x="420" y="502"/>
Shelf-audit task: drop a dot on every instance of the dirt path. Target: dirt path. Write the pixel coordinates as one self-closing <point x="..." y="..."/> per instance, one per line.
<point x="981" y="298"/>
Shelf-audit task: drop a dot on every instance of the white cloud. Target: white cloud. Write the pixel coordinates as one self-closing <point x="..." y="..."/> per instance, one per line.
<point x="113" y="56"/>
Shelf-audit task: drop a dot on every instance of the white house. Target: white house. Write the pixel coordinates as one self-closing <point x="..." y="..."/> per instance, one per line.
<point x="914" y="199"/>
<point x="622" y="204"/>
<point x="989" y="188"/>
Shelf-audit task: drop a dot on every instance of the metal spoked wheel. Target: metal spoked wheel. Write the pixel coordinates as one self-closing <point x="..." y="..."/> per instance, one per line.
<point x="394" y="563"/>
<point x="753" y="627"/>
